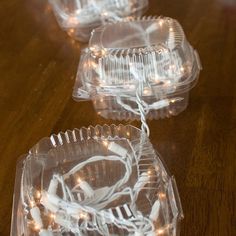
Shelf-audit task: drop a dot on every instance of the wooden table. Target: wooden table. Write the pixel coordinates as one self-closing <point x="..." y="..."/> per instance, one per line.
<point x="38" y="64"/>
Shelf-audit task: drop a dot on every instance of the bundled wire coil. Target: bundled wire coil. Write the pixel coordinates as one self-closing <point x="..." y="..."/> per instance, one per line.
<point x="151" y="53"/>
<point x="106" y="180"/>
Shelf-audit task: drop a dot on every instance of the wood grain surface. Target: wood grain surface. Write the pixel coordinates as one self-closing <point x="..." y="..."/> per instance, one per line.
<point x="38" y="63"/>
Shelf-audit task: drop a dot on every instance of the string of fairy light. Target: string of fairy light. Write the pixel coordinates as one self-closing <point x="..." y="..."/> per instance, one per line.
<point x="81" y="206"/>
<point x="70" y="202"/>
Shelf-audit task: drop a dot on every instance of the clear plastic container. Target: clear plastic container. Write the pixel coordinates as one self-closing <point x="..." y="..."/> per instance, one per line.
<point x="80" y="17"/>
<point x="150" y="51"/>
<point x="63" y="188"/>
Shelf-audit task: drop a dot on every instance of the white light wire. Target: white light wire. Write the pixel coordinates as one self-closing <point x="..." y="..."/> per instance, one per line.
<point x="143" y="107"/>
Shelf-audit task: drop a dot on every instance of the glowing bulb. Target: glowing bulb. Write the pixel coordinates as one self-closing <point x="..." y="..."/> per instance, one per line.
<point x="161" y="22"/>
<point x="103" y="52"/>
<point x="72" y="21"/>
<point x="97" y="51"/>
<point x="160" y="231"/>
<point x="171" y="29"/>
<point x="79" y="180"/>
<point x="36" y="227"/>
<point x="71" y="31"/>
<point x="163" y="230"/>
<point x="32" y="203"/>
<point x="105" y="13"/>
<point x="105" y="143"/>
<point x="128" y="133"/>
<point x="38" y="194"/>
<point x="131" y="87"/>
<point x="92" y="48"/>
<point x="162" y="196"/>
<point x="84" y="216"/>
<point x="52" y="216"/>
<point x="168" y="82"/>
<point x="147" y="91"/>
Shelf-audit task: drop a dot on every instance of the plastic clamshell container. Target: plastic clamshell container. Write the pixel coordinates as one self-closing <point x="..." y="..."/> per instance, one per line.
<point x="60" y="153"/>
<point x="80" y="17"/>
<point x="156" y="49"/>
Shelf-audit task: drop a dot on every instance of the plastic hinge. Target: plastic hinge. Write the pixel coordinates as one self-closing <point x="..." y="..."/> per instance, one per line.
<point x="82" y="94"/>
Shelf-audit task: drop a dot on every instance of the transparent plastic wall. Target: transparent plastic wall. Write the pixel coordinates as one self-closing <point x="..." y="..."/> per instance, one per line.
<point x="103" y="180"/>
<point x="80" y="17"/>
<point x="151" y="53"/>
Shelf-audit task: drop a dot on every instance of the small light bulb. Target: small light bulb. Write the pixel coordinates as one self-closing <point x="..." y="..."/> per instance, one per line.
<point x="162" y="196"/>
<point x="105" y="143"/>
<point x="105" y="13"/>
<point x="161" y="22"/>
<point x="103" y="52"/>
<point x="71" y="32"/>
<point x="168" y="82"/>
<point x="173" y="100"/>
<point x="131" y="87"/>
<point x="72" y="21"/>
<point x="147" y="91"/>
<point x="92" y="48"/>
<point x="79" y="180"/>
<point x="84" y="216"/>
<point x="38" y="194"/>
<point x="36" y="227"/>
<point x="52" y="216"/>
<point x="160" y="231"/>
<point x="32" y="203"/>
<point x="163" y="231"/>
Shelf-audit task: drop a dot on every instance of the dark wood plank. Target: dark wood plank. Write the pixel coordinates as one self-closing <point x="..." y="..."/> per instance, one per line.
<point x="38" y="63"/>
